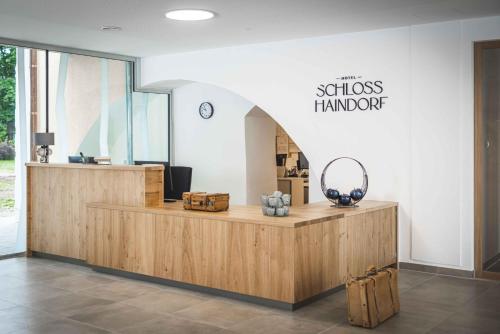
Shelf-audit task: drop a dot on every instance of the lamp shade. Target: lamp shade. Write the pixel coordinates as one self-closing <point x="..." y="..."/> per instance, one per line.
<point x="43" y="138"/>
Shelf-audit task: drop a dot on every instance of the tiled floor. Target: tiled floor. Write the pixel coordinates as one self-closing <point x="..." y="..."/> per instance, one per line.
<point x="42" y="296"/>
<point x="8" y="233"/>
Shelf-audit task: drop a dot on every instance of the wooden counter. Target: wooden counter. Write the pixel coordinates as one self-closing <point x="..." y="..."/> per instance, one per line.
<point x="114" y="218"/>
<point x="251" y="214"/>
<point x="287" y="260"/>
<point x="58" y="194"/>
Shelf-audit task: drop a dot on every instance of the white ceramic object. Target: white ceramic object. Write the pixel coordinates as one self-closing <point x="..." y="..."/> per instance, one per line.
<point x="275" y="205"/>
<point x="264" y="200"/>
<point x="270" y="211"/>
<point x="280" y="212"/>
<point x="286" y="209"/>
<point x="287" y="199"/>
<point x="277" y="194"/>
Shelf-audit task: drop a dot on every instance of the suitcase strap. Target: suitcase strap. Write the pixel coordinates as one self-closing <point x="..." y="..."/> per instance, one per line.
<point x="392" y="292"/>
<point x="375" y="299"/>
<point x="375" y="296"/>
<point x="364" y="306"/>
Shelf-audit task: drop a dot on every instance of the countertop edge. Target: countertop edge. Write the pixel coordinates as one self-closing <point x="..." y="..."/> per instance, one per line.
<point x="207" y="215"/>
<point x="95" y="166"/>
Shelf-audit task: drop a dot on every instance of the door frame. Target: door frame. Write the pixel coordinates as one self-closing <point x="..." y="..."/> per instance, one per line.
<point x="479" y="153"/>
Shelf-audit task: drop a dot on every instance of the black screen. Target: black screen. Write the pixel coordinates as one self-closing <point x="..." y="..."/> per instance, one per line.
<point x="302" y="163"/>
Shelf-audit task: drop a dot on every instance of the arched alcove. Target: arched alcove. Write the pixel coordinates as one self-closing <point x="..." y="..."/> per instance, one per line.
<point x="260" y="153"/>
<point x="271" y="155"/>
<point x="233" y="151"/>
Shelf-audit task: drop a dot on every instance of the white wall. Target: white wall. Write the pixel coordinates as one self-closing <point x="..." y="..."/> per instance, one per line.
<point x="260" y="148"/>
<point x="418" y="150"/>
<point x="214" y="148"/>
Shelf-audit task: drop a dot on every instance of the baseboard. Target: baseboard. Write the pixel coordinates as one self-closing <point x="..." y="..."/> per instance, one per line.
<point x="59" y="258"/>
<point x="436" y="270"/>
<point x="216" y="292"/>
<point x="10" y="256"/>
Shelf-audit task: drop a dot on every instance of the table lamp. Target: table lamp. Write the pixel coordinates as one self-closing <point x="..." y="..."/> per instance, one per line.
<point x="43" y="139"/>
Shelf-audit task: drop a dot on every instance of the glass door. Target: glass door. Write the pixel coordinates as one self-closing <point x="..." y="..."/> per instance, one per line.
<point x="487" y="151"/>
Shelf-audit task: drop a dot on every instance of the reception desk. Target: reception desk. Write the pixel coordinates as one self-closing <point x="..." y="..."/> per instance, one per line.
<point x="283" y="261"/>
<point x="288" y="260"/>
<point x="57" y="195"/>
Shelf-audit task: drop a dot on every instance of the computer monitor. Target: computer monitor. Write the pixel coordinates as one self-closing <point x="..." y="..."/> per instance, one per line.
<point x="181" y="180"/>
<point x="168" y="185"/>
<point x="302" y="163"/>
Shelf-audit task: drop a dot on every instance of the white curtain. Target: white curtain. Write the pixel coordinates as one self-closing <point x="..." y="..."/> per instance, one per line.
<point x="22" y="142"/>
<point x="143" y="126"/>
<point x="61" y="137"/>
<point x="104" y="124"/>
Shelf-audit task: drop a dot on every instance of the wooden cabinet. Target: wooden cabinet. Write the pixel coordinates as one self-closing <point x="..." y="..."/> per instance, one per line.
<point x="244" y="258"/>
<point x="121" y="240"/>
<point x="376" y="231"/>
<point x="58" y="195"/>
<point x="282" y="144"/>
<point x="298" y="187"/>
<point x="287" y="259"/>
<point x="328" y="253"/>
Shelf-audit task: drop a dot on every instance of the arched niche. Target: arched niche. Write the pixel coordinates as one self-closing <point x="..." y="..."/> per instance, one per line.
<point x="234" y="151"/>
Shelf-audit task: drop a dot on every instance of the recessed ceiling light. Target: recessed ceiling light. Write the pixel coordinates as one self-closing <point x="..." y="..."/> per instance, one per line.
<point x="111" y="28"/>
<point x="189" y="14"/>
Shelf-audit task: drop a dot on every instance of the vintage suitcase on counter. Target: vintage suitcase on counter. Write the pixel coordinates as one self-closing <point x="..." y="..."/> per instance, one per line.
<point x="208" y="202"/>
<point x="186" y="199"/>
<point x="373" y="298"/>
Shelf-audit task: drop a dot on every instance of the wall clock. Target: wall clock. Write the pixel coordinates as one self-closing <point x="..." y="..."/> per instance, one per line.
<point x="206" y="110"/>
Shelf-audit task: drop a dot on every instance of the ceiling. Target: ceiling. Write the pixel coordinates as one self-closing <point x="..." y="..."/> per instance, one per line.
<point x="146" y="31"/>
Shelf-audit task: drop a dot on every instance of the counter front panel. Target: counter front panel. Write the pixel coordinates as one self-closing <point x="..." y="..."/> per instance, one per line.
<point x="58" y="195"/>
<point x="288" y="261"/>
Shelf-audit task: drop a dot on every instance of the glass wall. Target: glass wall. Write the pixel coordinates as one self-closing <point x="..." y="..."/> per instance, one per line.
<point x="92" y="110"/>
<point x="87" y="105"/>
<point x="9" y="213"/>
<point x="150" y="126"/>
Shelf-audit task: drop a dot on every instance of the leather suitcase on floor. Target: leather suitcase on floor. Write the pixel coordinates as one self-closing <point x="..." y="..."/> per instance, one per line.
<point x="209" y="202"/>
<point x="373" y="298"/>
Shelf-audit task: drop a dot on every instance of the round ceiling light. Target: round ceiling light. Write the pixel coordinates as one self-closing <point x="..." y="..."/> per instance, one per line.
<point x="111" y="28"/>
<point x="189" y="14"/>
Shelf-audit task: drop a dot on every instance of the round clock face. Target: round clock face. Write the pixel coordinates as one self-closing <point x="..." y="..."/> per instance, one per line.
<point x="206" y="110"/>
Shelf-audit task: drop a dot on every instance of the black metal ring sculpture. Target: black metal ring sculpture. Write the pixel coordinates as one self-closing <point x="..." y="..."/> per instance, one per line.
<point x="344" y="200"/>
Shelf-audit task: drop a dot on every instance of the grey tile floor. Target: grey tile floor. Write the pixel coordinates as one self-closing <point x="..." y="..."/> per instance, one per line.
<point x="42" y="296"/>
<point x="8" y="233"/>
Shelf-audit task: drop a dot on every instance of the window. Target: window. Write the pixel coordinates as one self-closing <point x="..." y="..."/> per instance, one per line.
<point x="90" y="100"/>
<point x="92" y="109"/>
<point x="150" y="126"/>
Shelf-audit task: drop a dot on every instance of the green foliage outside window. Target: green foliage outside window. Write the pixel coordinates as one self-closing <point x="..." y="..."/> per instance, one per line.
<point x="7" y="92"/>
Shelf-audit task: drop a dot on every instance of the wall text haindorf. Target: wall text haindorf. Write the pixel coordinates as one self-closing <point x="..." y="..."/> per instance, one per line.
<point x="351" y="94"/>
